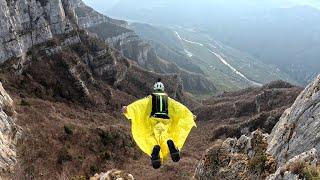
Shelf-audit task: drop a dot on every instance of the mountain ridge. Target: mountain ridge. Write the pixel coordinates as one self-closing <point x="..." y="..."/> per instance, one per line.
<point x="133" y="47"/>
<point x="67" y="92"/>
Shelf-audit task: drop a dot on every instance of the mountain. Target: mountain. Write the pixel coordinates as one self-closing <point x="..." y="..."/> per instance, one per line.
<point x="133" y="47"/>
<point x="283" y="34"/>
<point x="291" y="151"/>
<point x="67" y="88"/>
<point x="286" y="37"/>
<point x="166" y="44"/>
<point x="63" y="87"/>
<point x="228" y="68"/>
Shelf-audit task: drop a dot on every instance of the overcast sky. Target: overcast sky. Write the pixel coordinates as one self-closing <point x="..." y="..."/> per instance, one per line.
<point x="107" y="4"/>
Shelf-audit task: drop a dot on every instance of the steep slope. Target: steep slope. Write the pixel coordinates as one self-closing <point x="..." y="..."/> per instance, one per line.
<point x="232" y="114"/>
<point x="133" y="47"/>
<point x="298" y="129"/>
<point x="67" y="90"/>
<point x="291" y="151"/>
<point x="9" y="134"/>
<point x="242" y="158"/>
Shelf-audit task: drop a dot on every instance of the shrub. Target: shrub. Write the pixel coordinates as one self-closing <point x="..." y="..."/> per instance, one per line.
<point x="64" y="156"/>
<point x="257" y="163"/>
<point x="68" y="130"/>
<point x="297" y="167"/>
<point x="24" y="102"/>
<point x="78" y="178"/>
<point x="94" y="169"/>
<point x="106" y="138"/>
<point x="311" y="172"/>
<point x="106" y="155"/>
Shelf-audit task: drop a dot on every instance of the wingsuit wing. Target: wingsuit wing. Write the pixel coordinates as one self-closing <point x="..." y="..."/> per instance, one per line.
<point x="148" y="131"/>
<point x="138" y="112"/>
<point x="182" y="122"/>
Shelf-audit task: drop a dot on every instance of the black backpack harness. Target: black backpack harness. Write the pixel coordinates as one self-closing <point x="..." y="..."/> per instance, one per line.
<point x="160" y="105"/>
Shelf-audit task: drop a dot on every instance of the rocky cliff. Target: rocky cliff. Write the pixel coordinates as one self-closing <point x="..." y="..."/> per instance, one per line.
<point x="243" y="158"/>
<point x="299" y="127"/>
<point x="27" y="23"/>
<point x="291" y="151"/>
<point x="67" y="87"/>
<point x="9" y="134"/>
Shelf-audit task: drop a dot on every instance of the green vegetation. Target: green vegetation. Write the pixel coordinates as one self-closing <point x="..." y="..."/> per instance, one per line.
<point x="94" y="169"/>
<point x="311" y="172"/>
<point x="303" y="169"/>
<point x="106" y="155"/>
<point x="258" y="163"/>
<point x="24" y="102"/>
<point x="78" y="178"/>
<point x="64" y="156"/>
<point x="68" y="130"/>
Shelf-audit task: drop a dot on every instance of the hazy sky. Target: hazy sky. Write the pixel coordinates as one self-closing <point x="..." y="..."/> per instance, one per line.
<point x="107" y="4"/>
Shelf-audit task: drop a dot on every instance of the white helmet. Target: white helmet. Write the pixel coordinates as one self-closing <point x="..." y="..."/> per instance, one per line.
<point x="158" y="86"/>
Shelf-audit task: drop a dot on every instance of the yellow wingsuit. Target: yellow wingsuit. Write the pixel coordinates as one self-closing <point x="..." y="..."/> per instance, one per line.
<point x="150" y="131"/>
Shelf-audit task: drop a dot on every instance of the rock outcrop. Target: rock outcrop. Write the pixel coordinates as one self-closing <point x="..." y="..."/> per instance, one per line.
<point x="291" y="151"/>
<point x="113" y="175"/>
<point x="27" y="23"/>
<point x="242" y="158"/>
<point x="298" y="128"/>
<point x="9" y="133"/>
<point x="48" y="62"/>
<point x="299" y="167"/>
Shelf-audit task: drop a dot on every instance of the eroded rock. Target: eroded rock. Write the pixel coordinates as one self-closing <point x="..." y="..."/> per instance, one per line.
<point x="293" y="169"/>
<point x="241" y="158"/>
<point x="9" y="133"/>
<point x="298" y="128"/>
<point x="113" y="174"/>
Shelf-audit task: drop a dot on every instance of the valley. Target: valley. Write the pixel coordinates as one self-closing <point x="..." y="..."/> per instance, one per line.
<point x="67" y="70"/>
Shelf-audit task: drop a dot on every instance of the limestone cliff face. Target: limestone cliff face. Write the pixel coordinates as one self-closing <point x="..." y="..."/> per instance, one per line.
<point x="27" y="23"/>
<point x="299" y="127"/>
<point x="9" y="133"/>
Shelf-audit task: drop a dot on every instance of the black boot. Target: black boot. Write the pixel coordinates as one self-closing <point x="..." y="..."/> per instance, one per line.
<point x="155" y="157"/>
<point x="174" y="152"/>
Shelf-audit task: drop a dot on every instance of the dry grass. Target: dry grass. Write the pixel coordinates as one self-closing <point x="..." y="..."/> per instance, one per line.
<point x="69" y="133"/>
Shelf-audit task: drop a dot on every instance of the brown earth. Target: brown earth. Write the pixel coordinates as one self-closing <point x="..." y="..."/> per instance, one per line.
<point x="100" y="139"/>
<point x="68" y="106"/>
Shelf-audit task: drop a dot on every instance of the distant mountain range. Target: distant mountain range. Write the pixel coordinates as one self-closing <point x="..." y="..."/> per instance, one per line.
<point x="228" y="68"/>
<point x="283" y="34"/>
